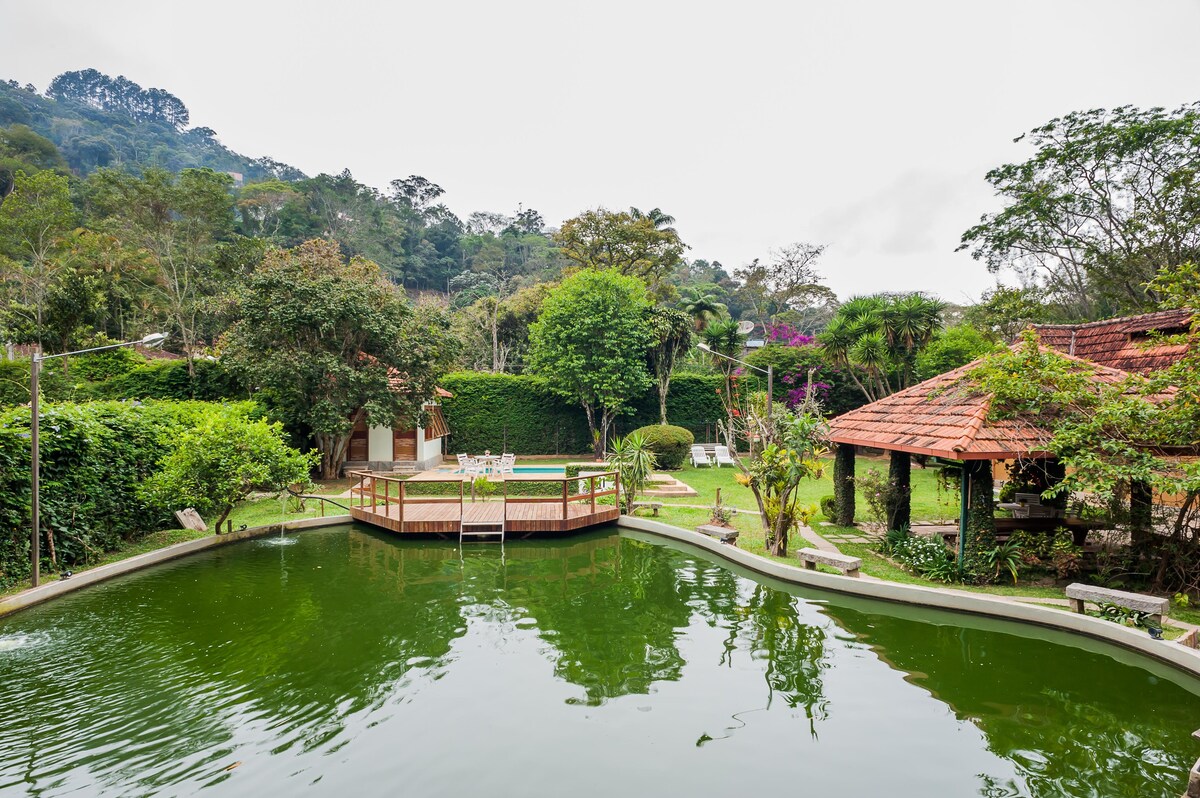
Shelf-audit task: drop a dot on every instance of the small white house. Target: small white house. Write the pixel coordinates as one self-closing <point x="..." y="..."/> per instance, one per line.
<point x="399" y="449"/>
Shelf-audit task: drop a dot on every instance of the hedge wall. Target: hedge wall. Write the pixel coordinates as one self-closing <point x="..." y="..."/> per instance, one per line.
<point x="520" y="414"/>
<point x="158" y="379"/>
<point x="94" y="456"/>
<point x="167" y="379"/>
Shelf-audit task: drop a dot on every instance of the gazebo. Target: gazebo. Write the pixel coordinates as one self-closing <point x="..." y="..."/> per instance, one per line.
<point x="947" y="418"/>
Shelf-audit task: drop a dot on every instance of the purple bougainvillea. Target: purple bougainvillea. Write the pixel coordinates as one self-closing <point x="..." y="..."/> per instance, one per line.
<point x="787" y="335"/>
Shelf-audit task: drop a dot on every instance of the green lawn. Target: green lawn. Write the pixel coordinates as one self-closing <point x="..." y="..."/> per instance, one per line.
<point x="928" y="502"/>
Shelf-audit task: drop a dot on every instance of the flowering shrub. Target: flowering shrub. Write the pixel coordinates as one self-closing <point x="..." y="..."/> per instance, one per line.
<point x="788" y="335"/>
<point x="926" y="556"/>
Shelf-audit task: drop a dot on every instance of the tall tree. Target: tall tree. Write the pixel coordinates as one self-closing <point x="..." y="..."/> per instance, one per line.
<point x="1108" y="199"/>
<point x="36" y="222"/>
<point x="330" y="343"/>
<point x="703" y="306"/>
<point x="602" y="239"/>
<point x="179" y="222"/>
<point x="671" y="332"/>
<point x="590" y="341"/>
<point x="789" y="282"/>
<point x="877" y="338"/>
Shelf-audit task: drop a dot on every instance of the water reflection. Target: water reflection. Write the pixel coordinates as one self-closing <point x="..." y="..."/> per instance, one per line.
<point x="353" y="661"/>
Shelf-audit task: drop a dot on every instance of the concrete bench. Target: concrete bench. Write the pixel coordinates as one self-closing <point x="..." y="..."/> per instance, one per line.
<point x="721" y="533"/>
<point x="847" y="565"/>
<point x="1153" y="606"/>
<point x="654" y="506"/>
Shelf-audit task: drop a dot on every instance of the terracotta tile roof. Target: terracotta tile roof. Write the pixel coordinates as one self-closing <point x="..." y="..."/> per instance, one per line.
<point x="944" y="417"/>
<point x="1126" y="343"/>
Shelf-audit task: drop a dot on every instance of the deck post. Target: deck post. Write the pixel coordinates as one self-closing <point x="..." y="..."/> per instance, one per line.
<point x="372" y="493"/>
<point x="592" y="490"/>
<point x="400" y="498"/>
<point x="564" y="484"/>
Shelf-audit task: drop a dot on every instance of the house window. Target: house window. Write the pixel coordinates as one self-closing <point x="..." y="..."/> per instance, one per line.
<point x="436" y="428"/>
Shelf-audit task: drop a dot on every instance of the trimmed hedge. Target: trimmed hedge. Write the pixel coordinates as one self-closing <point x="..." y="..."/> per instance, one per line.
<point x="519" y="413"/>
<point x="168" y="379"/>
<point x="94" y="457"/>
<point x="670" y="444"/>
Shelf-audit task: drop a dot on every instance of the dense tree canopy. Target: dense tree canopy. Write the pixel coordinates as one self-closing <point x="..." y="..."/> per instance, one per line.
<point x="590" y="341"/>
<point x="330" y="343"/>
<point x="1108" y="199"/>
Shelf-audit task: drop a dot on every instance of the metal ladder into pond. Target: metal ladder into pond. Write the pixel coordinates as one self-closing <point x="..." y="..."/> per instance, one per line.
<point x="482" y="528"/>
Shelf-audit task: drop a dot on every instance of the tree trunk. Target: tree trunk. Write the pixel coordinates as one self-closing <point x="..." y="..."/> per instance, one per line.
<point x="900" y="485"/>
<point x="843" y="484"/>
<point x="1140" y="516"/>
<point x="664" y="385"/>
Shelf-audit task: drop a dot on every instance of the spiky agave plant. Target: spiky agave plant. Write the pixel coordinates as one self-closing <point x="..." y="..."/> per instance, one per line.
<point x="631" y="456"/>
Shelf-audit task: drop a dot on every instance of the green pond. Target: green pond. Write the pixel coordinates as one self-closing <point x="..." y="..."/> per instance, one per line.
<point x="348" y="663"/>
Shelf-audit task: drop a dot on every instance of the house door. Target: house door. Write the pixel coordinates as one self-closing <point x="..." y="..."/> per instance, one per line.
<point x="359" y="451"/>
<point x="404" y="444"/>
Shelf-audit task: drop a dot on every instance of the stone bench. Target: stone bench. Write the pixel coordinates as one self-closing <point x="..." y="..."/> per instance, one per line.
<point x="847" y="565"/>
<point x="654" y="506"/>
<point x="721" y="533"/>
<point x="1153" y="606"/>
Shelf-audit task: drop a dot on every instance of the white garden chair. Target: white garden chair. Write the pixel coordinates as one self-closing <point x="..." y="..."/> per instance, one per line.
<point x="700" y="457"/>
<point x="722" y="456"/>
<point x="506" y="464"/>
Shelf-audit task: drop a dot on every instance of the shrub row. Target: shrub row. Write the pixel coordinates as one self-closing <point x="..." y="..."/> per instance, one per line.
<point x="519" y="413"/>
<point x="86" y="379"/>
<point x="94" y="456"/>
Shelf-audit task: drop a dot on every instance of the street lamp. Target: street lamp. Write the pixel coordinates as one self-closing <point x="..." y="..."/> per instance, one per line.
<point x="154" y="339"/>
<point x="769" y="371"/>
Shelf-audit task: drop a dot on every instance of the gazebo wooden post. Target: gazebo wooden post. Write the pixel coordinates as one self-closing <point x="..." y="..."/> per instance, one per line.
<point x="843" y="483"/>
<point x="900" y="482"/>
<point x="1140" y="517"/>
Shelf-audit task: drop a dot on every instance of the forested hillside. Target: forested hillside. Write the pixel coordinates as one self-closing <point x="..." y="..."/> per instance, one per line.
<point x="98" y="121"/>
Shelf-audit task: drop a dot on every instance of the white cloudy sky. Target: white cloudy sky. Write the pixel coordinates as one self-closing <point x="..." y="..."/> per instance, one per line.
<point x="866" y="125"/>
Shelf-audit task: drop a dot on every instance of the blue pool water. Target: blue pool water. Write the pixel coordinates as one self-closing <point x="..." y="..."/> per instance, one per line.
<point x="553" y="470"/>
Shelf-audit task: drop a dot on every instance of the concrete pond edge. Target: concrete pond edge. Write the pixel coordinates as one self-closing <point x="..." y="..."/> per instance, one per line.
<point x="1173" y="654"/>
<point x="92" y="576"/>
<point x="1177" y="656"/>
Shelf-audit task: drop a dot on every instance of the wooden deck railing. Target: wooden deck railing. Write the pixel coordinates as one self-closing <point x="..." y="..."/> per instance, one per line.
<point x="376" y="493"/>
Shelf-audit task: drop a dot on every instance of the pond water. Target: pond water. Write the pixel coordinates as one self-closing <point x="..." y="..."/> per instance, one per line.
<point x="354" y="664"/>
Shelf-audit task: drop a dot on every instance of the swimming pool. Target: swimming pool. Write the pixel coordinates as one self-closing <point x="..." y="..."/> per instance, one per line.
<point x="354" y="663"/>
<point x="548" y="470"/>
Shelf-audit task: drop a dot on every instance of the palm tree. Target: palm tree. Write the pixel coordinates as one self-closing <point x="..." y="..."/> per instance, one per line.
<point x="702" y="306"/>
<point x="881" y="335"/>
<point x="661" y="221"/>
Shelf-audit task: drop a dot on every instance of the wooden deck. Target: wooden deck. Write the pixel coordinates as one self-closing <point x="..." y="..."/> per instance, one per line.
<point x="381" y="500"/>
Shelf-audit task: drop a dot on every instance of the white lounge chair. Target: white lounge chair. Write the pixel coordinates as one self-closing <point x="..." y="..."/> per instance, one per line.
<point x="700" y="457"/>
<point x="722" y="456"/>
<point x="506" y="464"/>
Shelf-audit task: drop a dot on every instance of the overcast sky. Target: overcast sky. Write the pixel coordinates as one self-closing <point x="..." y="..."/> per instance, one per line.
<point x="867" y="126"/>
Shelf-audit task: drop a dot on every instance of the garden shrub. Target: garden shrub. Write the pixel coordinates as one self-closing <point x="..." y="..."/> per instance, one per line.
<point x="167" y="379"/>
<point x="95" y="457"/>
<point x="14" y="382"/>
<point x="670" y="444"/>
<point x="926" y="556"/>
<point x="829" y="507"/>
